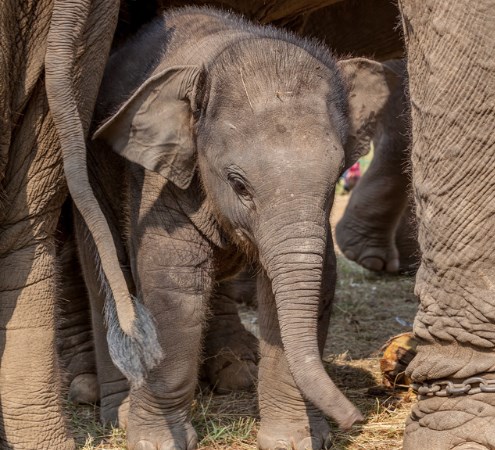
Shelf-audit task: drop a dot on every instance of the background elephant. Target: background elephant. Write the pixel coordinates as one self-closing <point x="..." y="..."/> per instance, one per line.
<point x="378" y="226"/>
<point x="184" y="230"/>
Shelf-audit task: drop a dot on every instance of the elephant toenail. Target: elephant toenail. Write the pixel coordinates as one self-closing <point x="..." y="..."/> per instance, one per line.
<point x="372" y="263"/>
<point x="144" y="445"/>
<point x="470" y="446"/>
<point x="349" y="254"/>
<point x="305" y="444"/>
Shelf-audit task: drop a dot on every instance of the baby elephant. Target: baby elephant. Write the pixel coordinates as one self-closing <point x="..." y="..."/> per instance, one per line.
<point x="231" y="138"/>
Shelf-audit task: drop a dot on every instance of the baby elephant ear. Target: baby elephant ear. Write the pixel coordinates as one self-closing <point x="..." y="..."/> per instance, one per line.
<point x="154" y="127"/>
<point x="371" y="88"/>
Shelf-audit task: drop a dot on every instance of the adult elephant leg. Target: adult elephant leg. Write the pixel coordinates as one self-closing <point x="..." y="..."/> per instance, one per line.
<point x="406" y="241"/>
<point x="33" y="193"/>
<point x="287" y="419"/>
<point x="452" y="87"/>
<point x="74" y="334"/>
<point x="231" y="351"/>
<point x="366" y="232"/>
<point x="75" y="339"/>
<point x="113" y="386"/>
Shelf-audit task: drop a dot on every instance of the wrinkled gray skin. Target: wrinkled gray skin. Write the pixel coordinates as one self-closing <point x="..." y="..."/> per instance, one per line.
<point x="74" y="335"/>
<point x="228" y="119"/>
<point x="452" y="89"/>
<point x="378" y="227"/>
<point x="33" y="187"/>
<point x="450" y="53"/>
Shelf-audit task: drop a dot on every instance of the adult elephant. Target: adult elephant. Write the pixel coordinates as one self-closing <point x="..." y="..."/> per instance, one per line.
<point x="452" y="87"/>
<point x="377" y="229"/>
<point x="32" y="191"/>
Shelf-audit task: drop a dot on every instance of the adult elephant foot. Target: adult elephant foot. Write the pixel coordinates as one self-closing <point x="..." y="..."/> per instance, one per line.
<point x="367" y="242"/>
<point x="145" y="432"/>
<point x="231" y="352"/>
<point x="466" y="422"/>
<point x="308" y="432"/>
<point x="455" y="408"/>
<point x="84" y="389"/>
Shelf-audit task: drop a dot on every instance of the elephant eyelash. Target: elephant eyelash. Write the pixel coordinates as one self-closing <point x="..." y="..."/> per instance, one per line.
<point x="239" y="185"/>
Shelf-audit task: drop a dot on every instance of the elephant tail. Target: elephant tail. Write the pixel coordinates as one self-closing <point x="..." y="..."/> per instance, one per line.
<point x="135" y="355"/>
<point x="131" y="332"/>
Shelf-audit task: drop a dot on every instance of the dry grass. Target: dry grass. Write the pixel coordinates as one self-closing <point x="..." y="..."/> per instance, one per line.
<point x="368" y="310"/>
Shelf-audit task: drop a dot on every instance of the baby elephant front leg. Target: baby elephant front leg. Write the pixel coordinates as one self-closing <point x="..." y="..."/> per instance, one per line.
<point x="231" y="351"/>
<point x="175" y="283"/>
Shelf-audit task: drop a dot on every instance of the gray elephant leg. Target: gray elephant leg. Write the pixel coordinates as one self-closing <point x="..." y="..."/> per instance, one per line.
<point x="231" y="352"/>
<point x="406" y="241"/>
<point x="366" y="232"/>
<point x="113" y="386"/>
<point x="173" y="264"/>
<point x="450" y="48"/>
<point x="287" y="419"/>
<point x="74" y="334"/>
<point x="32" y="194"/>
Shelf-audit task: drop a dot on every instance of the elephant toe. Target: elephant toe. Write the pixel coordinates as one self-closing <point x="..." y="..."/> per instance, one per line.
<point x="151" y="436"/>
<point x="294" y="436"/>
<point x="470" y="446"/>
<point x="372" y="263"/>
<point x="350" y="255"/>
<point x="84" y="389"/>
<point x="144" y="445"/>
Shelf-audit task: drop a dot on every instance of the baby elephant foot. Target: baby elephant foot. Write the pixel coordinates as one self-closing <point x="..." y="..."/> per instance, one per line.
<point x="165" y="437"/>
<point x="115" y="413"/>
<point x="114" y="410"/>
<point x="84" y="389"/>
<point x="231" y="361"/>
<point x="295" y="435"/>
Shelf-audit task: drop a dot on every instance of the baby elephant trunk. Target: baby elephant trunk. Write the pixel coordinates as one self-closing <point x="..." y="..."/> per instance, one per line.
<point x="293" y="257"/>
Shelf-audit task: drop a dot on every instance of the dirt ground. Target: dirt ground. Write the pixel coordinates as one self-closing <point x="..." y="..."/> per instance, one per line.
<point x="368" y="310"/>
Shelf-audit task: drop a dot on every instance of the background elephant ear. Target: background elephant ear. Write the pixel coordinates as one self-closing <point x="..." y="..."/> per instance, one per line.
<point x="154" y="127"/>
<point x="370" y="85"/>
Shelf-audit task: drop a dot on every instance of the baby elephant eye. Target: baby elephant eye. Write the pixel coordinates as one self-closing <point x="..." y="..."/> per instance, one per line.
<point x="239" y="186"/>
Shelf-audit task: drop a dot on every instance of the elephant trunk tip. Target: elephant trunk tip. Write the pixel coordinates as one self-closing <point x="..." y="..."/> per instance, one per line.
<point x="352" y="417"/>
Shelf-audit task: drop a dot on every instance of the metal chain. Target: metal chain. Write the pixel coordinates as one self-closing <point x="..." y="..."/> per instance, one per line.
<point x="447" y="388"/>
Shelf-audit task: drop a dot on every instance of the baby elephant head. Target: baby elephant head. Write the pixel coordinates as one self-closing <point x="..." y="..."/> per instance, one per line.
<point x="270" y="125"/>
